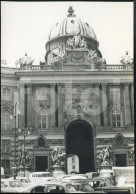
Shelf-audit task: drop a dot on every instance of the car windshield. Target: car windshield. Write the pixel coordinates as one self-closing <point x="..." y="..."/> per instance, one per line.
<point x="15" y="184"/>
<point x="46" y="175"/>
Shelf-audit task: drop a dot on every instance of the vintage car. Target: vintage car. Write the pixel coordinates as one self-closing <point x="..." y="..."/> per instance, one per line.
<point x="5" y="188"/>
<point x="106" y="185"/>
<point x="23" y="180"/>
<point x="80" y="188"/>
<point x="48" y="187"/>
<point x="15" y="185"/>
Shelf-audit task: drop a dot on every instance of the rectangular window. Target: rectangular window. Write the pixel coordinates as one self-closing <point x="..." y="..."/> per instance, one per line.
<point x="6" y="94"/>
<point x="6" y="146"/>
<point x="41" y="94"/>
<point x="73" y="160"/>
<point x="115" y="93"/>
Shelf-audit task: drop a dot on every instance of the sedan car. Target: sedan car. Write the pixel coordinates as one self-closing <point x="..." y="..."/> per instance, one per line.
<point x="15" y="185"/>
<point x="48" y="187"/>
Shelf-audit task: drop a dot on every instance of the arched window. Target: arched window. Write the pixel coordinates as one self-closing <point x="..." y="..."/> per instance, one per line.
<point x="6" y="120"/>
<point x="42" y="119"/>
<point x="116" y="117"/>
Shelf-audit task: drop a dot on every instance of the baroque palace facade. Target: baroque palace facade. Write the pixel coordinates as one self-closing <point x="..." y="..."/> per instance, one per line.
<point x="73" y="100"/>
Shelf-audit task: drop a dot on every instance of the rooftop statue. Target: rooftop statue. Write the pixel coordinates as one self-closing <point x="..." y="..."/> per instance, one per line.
<point x="70" y="12"/>
<point x="126" y="60"/>
<point x="58" y="157"/>
<point x="98" y="63"/>
<point x="26" y="62"/>
<point x="106" y="155"/>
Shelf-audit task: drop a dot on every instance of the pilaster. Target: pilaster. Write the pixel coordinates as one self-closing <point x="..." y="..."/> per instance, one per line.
<point x="104" y="104"/>
<point x="29" y="105"/>
<point x="21" y="102"/>
<point x="60" y="105"/>
<point x="53" y="107"/>
<point x="97" y="109"/>
<point x="127" y="104"/>
<point x="132" y="101"/>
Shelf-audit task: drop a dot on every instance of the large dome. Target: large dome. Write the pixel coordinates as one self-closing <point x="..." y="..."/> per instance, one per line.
<point x="71" y="25"/>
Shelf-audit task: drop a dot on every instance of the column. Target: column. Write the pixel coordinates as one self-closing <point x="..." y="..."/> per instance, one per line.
<point x="104" y="104"/>
<point x="132" y="101"/>
<point x="21" y="103"/>
<point x="60" y="105"/>
<point x="52" y="108"/>
<point x="127" y="104"/>
<point x="29" y="105"/>
<point x="97" y="109"/>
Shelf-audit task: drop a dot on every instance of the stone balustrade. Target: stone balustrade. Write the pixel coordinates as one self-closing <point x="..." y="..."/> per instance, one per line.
<point x="48" y="67"/>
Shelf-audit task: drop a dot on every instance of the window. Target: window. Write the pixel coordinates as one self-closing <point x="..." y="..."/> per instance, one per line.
<point x="42" y="119"/>
<point x="41" y="94"/>
<point x="6" y="94"/>
<point x="73" y="160"/>
<point x="114" y="93"/>
<point x="5" y="146"/>
<point x="6" y="120"/>
<point x="6" y="164"/>
<point x="116" y="117"/>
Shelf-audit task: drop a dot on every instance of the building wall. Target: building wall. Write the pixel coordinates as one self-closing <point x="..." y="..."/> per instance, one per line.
<point x="70" y="101"/>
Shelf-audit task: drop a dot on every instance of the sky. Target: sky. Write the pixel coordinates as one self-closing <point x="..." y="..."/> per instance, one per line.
<point x="25" y="27"/>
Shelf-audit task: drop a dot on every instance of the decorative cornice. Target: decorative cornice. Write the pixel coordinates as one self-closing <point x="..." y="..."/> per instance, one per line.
<point x="71" y="73"/>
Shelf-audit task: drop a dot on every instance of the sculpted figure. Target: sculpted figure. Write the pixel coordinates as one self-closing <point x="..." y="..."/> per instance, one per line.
<point x="57" y="156"/>
<point x="105" y="154"/>
<point x="126" y="60"/>
<point x="83" y="43"/>
<point x="70" y="43"/>
<point x="77" y="39"/>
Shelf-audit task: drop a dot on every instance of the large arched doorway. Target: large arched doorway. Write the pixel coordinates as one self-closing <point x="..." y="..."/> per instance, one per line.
<point x="79" y="140"/>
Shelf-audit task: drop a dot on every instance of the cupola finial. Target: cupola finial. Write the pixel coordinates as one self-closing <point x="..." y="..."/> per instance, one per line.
<point x="70" y="12"/>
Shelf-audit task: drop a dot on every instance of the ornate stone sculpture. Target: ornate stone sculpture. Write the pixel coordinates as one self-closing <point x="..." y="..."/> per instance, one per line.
<point x="25" y="62"/>
<point x="105" y="155"/>
<point x="58" y="158"/>
<point x="126" y="60"/>
<point x="58" y="60"/>
<point x="25" y="159"/>
<point x="97" y="62"/>
<point x="132" y="156"/>
<point x="76" y="43"/>
<point x="70" y="12"/>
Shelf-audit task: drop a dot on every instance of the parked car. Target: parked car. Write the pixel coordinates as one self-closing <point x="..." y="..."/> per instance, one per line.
<point x="15" y="185"/>
<point x="80" y="188"/>
<point x="34" y="176"/>
<point x="71" y="177"/>
<point x="48" y="187"/>
<point x="5" y="188"/>
<point x="104" y="184"/>
<point x="23" y="180"/>
<point x="45" y="180"/>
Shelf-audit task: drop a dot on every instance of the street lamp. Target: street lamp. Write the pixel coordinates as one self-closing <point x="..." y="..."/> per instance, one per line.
<point x="16" y="112"/>
<point x="25" y="135"/>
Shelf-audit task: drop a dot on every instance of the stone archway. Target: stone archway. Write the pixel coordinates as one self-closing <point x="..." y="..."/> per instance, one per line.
<point x="79" y="141"/>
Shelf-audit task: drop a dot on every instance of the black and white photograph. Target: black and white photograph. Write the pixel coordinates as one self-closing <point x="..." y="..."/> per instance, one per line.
<point x="67" y="97"/>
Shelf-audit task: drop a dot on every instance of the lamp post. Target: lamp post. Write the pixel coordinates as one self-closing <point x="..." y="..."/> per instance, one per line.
<point x="14" y="117"/>
<point x="25" y="135"/>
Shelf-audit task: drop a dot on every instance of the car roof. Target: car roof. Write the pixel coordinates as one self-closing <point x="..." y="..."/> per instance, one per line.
<point x="40" y="173"/>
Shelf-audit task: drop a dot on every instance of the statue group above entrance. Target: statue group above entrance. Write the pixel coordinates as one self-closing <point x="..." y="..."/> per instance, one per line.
<point x="76" y="43"/>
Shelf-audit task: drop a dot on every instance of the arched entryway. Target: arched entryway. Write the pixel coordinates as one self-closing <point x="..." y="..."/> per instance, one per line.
<point x="79" y="141"/>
